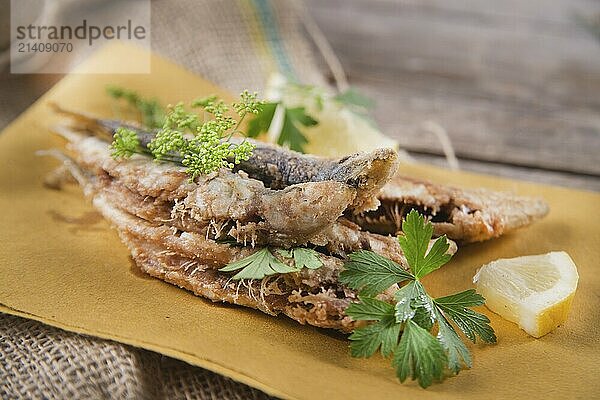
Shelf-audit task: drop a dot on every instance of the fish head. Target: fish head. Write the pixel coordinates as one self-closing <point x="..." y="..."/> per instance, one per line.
<point x="307" y="208"/>
<point x="368" y="173"/>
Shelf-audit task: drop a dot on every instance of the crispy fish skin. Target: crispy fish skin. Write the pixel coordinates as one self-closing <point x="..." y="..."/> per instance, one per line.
<point x="297" y="215"/>
<point x="198" y="245"/>
<point x="367" y="172"/>
<point x="308" y="296"/>
<point x="277" y="167"/>
<point x="324" y="308"/>
<point x="464" y="215"/>
<point x="191" y="261"/>
<point x="342" y="238"/>
<point x="313" y="297"/>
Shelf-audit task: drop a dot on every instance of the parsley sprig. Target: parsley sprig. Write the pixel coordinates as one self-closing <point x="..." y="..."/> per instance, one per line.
<point x="200" y="143"/>
<point x="264" y="263"/>
<point x="294" y="119"/>
<point x="418" y="331"/>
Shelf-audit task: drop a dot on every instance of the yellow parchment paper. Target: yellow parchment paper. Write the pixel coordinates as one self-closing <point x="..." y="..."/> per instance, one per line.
<point x="61" y="264"/>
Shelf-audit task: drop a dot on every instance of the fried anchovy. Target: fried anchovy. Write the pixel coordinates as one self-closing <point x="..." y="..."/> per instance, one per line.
<point x="464" y="215"/>
<point x="322" y="306"/>
<point x="341" y="238"/>
<point x="277" y="167"/>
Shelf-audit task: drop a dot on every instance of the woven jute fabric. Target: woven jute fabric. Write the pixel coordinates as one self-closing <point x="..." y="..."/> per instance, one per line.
<point x="225" y="43"/>
<point x="222" y="41"/>
<point x="41" y="362"/>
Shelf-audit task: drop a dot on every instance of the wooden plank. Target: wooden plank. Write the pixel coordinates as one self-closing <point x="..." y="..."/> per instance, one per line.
<point x="576" y="181"/>
<point x="486" y="129"/>
<point x="514" y="82"/>
<point x="510" y="58"/>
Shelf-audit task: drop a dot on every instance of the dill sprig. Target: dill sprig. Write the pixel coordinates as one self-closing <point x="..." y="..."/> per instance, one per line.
<point x="125" y="143"/>
<point x="202" y="143"/>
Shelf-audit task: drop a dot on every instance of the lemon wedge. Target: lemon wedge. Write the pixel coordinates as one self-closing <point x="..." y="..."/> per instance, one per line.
<point x="535" y="292"/>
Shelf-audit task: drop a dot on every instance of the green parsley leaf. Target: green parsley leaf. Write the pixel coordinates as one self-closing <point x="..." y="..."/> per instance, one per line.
<point x="370" y="310"/>
<point x="293" y="119"/>
<point x="415" y="241"/>
<point x="303" y="257"/>
<point x="257" y="266"/>
<point x="458" y="354"/>
<point x="470" y="322"/>
<point x="423" y="316"/>
<point x="290" y="135"/>
<point x="382" y="334"/>
<point x="427" y="342"/>
<point x="371" y="273"/>
<point x="262" y="121"/>
<point x="467" y="298"/>
<point x="412" y="302"/>
<point x="405" y="307"/>
<point x="419" y="355"/>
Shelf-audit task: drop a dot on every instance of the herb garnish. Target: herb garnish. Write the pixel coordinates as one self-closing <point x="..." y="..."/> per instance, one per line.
<point x="125" y="143"/>
<point x="418" y="330"/>
<point x="264" y="263"/>
<point x="201" y="144"/>
<point x="151" y="111"/>
<point x="294" y="118"/>
<point x="303" y="257"/>
<point x="289" y="135"/>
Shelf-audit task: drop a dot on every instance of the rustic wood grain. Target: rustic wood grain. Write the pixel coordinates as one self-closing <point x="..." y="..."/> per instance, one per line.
<point x="557" y="178"/>
<point x="516" y="83"/>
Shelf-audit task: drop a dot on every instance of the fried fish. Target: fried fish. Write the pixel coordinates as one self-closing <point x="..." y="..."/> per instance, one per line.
<point x="226" y="204"/>
<point x="277" y="167"/>
<point x="185" y="232"/>
<point x="182" y="231"/>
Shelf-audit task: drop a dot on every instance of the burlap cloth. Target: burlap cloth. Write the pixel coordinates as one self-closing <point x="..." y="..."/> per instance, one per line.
<point x="236" y="44"/>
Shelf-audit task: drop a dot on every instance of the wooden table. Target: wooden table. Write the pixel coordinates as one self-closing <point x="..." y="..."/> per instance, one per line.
<point x="515" y="84"/>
